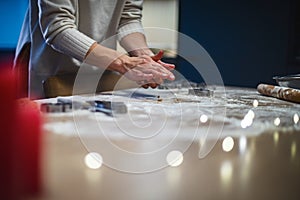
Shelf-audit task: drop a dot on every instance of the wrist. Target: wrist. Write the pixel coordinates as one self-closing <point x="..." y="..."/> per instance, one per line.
<point x="103" y="57"/>
<point x="94" y="45"/>
<point x="141" y="52"/>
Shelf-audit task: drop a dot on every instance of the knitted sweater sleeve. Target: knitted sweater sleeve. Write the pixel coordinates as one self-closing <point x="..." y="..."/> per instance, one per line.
<point x="58" y="23"/>
<point x="131" y="16"/>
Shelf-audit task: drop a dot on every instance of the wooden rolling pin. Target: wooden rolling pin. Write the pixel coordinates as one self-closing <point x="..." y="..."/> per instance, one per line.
<point x="284" y="93"/>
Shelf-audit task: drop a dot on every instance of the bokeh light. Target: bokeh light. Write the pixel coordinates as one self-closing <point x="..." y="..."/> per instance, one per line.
<point x="93" y="160"/>
<point x="174" y="158"/>
<point x="255" y="103"/>
<point x="296" y="118"/>
<point x="203" y="118"/>
<point x="277" y="121"/>
<point x="228" y="144"/>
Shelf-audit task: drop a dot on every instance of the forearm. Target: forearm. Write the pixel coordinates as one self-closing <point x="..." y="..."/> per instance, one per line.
<point x="135" y="44"/>
<point x="103" y="57"/>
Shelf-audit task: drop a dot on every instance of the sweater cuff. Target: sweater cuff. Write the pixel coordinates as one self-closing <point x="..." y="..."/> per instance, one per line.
<point x="132" y="27"/>
<point x="73" y="43"/>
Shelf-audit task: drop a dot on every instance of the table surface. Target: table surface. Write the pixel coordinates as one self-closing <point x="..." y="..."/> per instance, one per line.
<point x="236" y="144"/>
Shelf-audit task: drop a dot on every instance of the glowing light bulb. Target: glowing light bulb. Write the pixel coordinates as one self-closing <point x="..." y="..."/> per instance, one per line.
<point x="255" y="103"/>
<point x="296" y="118"/>
<point x="277" y="121"/>
<point x="228" y="144"/>
<point x="93" y="160"/>
<point x="174" y="158"/>
<point x="203" y="118"/>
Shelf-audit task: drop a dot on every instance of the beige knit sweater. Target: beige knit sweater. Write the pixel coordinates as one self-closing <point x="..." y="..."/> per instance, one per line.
<point x="62" y="31"/>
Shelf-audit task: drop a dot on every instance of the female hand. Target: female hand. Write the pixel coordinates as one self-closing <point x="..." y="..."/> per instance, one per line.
<point x="157" y="58"/>
<point x="142" y="69"/>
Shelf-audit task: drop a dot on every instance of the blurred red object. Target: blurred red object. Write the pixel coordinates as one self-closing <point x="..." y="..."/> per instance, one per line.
<point x="7" y="125"/>
<point x="20" y="142"/>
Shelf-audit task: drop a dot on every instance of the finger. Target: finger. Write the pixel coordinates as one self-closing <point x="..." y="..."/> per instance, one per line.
<point x="166" y="65"/>
<point x="163" y="67"/>
<point x="153" y="85"/>
<point x="171" y="77"/>
<point x="157" y="81"/>
<point x="142" y="84"/>
<point x="161" y="72"/>
<point x="150" y="84"/>
<point x="158" y="56"/>
<point x="146" y="86"/>
<point x="136" y="75"/>
<point x="157" y="72"/>
<point x="156" y="66"/>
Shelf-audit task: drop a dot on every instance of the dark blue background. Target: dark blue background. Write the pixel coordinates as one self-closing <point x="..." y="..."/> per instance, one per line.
<point x="11" y="17"/>
<point x="249" y="40"/>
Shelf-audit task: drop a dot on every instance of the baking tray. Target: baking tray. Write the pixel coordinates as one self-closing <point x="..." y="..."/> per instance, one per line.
<point x="292" y="81"/>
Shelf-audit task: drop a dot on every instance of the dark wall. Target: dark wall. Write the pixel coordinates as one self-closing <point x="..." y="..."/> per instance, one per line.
<point x="295" y="58"/>
<point x="249" y="40"/>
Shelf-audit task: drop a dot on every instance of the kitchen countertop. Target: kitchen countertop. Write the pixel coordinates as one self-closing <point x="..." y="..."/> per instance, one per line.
<point x="235" y="144"/>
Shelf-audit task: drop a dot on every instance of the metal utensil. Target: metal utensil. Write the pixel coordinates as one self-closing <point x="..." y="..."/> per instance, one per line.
<point x="291" y="81"/>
